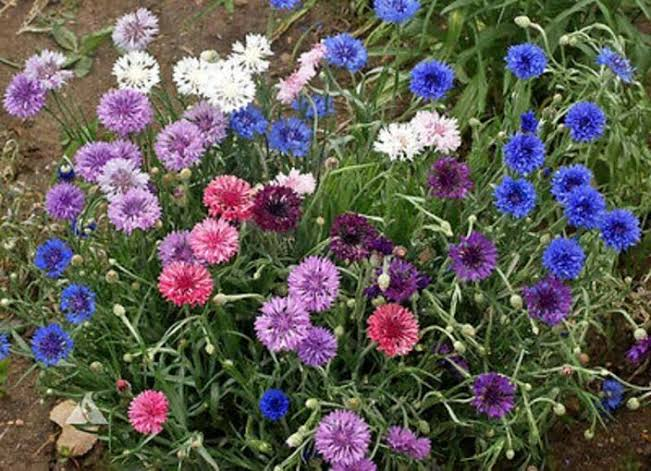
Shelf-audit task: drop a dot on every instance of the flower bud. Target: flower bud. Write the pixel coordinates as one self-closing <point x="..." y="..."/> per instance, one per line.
<point x="628" y="280"/>
<point x="96" y="367"/>
<point x="640" y="334"/>
<point x="168" y="178"/>
<point x="295" y="440"/>
<point x="112" y="277"/>
<point x="633" y="403"/>
<point x="468" y="330"/>
<point x="588" y="434"/>
<point x="564" y="40"/>
<point x="479" y="298"/>
<point x="219" y="299"/>
<point x="559" y="409"/>
<point x="527" y="386"/>
<point x="459" y="347"/>
<point x="339" y="331"/>
<point x="516" y="301"/>
<point x="5" y="302"/>
<point x="135" y="286"/>
<point x="77" y="260"/>
<point x="227" y="364"/>
<point x="501" y="135"/>
<point x="210" y="348"/>
<point x="510" y="454"/>
<point x="474" y="122"/>
<point x="331" y="163"/>
<point x="423" y="427"/>
<point x="522" y="21"/>
<point x="185" y="174"/>
<point x="209" y="55"/>
<point x="379" y="301"/>
<point x="118" y="310"/>
<point x="320" y="221"/>
<point x="181" y="454"/>
<point x="353" y="403"/>
<point x="127" y="357"/>
<point x="122" y="386"/>
<point x="399" y="251"/>
<point x="312" y="403"/>
<point x="197" y="441"/>
<point x="383" y="281"/>
<point x="351" y="303"/>
<point x="584" y="358"/>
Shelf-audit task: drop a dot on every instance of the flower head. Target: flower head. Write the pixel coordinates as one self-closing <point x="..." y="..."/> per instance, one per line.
<point x="137" y="70"/>
<point x="342" y="437"/>
<point x="437" y="130"/>
<point x="148" y="412"/>
<point x="613" y="394"/>
<point x="229" y="197"/>
<point x="494" y="395"/>
<point x="528" y="122"/>
<point x="474" y="258"/>
<point x="214" y="241"/>
<point x="134" y="31"/>
<point x="524" y="153"/>
<point x="277" y="208"/>
<point x="125" y="111"/>
<point x="51" y="344"/>
<point x="185" y="283"/>
<point x="549" y="300"/>
<point x="526" y="61"/>
<point x="618" y="64"/>
<point x="253" y="55"/>
<point x="584" y="206"/>
<point x="564" y="258"/>
<point x="188" y="75"/>
<point x="405" y="281"/>
<point x="24" y="97"/>
<point x="274" y="404"/>
<point x="212" y="123"/>
<point x="402" y="440"/>
<point x="399" y="141"/>
<point x="127" y="150"/>
<point x="620" y="229"/>
<point x="4" y="346"/>
<point x="431" y="79"/>
<point x="53" y="257"/>
<point x="396" y="11"/>
<point x="284" y="4"/>
<point x="515" y="197"/>
<point x="180" y="145"/>
<point x="47" y="68"/>
<point x="586" y="121"/>
<point x="346" y="52"/>
<point x="315" y="105"/>
<point x="360" y="465"/>
<point x="315" y="282"/>
<point x="283" y="323"/>
<point x="65" y="201"/>
<point x="175" y="247"/>
<point x="135" y="209"/>
<point x="350" y="237"/>
<point x="249" y="122"/>
<point x="290" y="136"/>
<point x="119" y="176"/>
<point x="77" y="303"/>
<point x="302" y="183"/>
<point x="65" y="173"/>
<point x="91" y="158"/>
<point x="227" y="85"/>
<point x="450" y="179"/>
<point x="639" y="352"/>
<point x="566" y="179"/>
<point x="394" y="328"/>
<point x="318" y="347"/>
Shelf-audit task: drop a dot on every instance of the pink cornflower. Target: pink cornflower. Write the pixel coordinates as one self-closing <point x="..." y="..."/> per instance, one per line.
<point x="436" y="130"/>
<point x="229" y="197"/>
<point x="394" y="328"/>
<point x="148" y="412"/>
<point x="301" y="183"/>
<point x="290" y="87"/>
<point x="185" y="283"/>
<point x="214" y="241"/>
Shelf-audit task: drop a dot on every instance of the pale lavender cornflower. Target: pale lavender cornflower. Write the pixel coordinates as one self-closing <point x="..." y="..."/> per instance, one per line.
<point x="318" y="347"/>
<point x="180" y="145"/>
<point x="282" y="324"/>
<point x="136" y="209"/>
<point x="360" y="465"/>
<point x="342" y="437"/>
<point x="315" y="282"/>
<point x="119" y="176"/>
<point x="210" y="120"/>
<point x="175" y="247"/>
<point x="47" y="68"/>
<point x="91" y="158"/>
<point x="134" y="31"/>
<point x="123" y="149"/>
<point x="65" y="201"/>
<point x="24" y="97"/>
<point x="125" y="111"/>
<point x="402" y="440"/>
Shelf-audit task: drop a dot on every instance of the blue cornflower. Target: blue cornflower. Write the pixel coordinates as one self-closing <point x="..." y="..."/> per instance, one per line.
<point x="515" y="197"/>
<point x="4" y="346"/>
<point x="323" y="104"/>
<point x="249" y="122"/>
<point x="528" y="122"/>
<point x="564" y="258"/>
<point x="613" y="394"/>
<point x="586" y="121"/>
<point x="53" y="256"/>
<point x="274" y="404"/>
<point x="396" y="11"/>
<point x="284" y="4"/>
<point x="524" y="153"/>
<point x="584" y="206"/>
<point x="526" y="61"/>
<point x="620" y="229"/>
<point x="77" y="303"/>
<point x="617" y="63"/>
<point x="290" y="136"/>
<point x="65" y="173"/>
<point x="51" y="344"/>
<point x="431" y="79"/>
<point x="346" y="52"/>
<point x="568" y="178"/>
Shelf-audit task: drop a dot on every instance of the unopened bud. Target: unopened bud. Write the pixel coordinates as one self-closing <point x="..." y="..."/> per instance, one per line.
<point x="5" y="302"/>
<point x="379" y="301"/>
<point x="640" y="334"/>
<point x="294" y="440"/>
<point x="209" y="55"/>
<point x="227" y="364"/>
<point x="479" y="298"/>
<point x="127" y="357"/>
<point x="185" y="174"/>
<point x="474" y="122"/>
<point x="633" y="403"/>
<point x="628" y="280"/>
<point x="424" y="427"/>
<point x="459" y="347"/>
<point x="522" y="21"/>
<point x="339" y="331"/>
<point x="588" y="434"/>
<point x="135" y="286"/>
<point x="320" y="221"/>
<point x="468" y="330"/>
<point x="219" y="299"/>
<point x="77" y="260"/>
<point x="118" y="310"/>
<point x="210" y="348"/>
<point x="181" y="454"/>
<point x="400" y="251"/>
<point x="122" y="385"/>
<point x="312" y="403"/>
<point x="584" y="358"/>
<point x="501" y="135"/>
<point x="559" y="409"/>
<point x="112" y="277"/>
<point x="96" y="367"/>
<point x="383" y="281"/>
<point x="351" y="303"/>
<point x="353" y="403"/>
<point x="564" y="40"/>
<point x="527" y="386"/>
<point x="510" y="454"/>
<point x="331" y="163"/>
<point x="516" y="301"/>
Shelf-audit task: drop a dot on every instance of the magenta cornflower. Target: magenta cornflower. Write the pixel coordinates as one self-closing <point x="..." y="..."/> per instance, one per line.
<point x="24" y="97"/>
<point x="494" y="395"/>
<point x="180" y="145"/>
<point x="549" y="300"/>
<point x="315" y="282"/>
<point x="318" y="347"/>
<point x="350" y="237"/>
<point x="212" y="123"/>
<point x="65" y="201"/>
<point x="148" y="412"/>
<point x="450" y="179"/>
<point x="342" y="437"/>
<point x="125" y="111"/>
<point x="214" y="241"/>
<point x="404" y="441"/>
<point x="474" y="258"/>
<point x="277" y="208"/>
<point x="135" y="209"/>
<point x="175" y="247"/>
<point x="283" y="323"/>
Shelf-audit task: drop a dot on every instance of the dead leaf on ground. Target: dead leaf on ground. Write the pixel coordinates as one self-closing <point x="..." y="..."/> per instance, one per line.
<point x="72" y="441"/>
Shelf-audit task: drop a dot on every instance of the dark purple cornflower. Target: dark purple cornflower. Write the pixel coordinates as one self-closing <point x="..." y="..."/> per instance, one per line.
<point x="175" y="247"/>
<point x="318" y="347"/>
<point x="24" y="97"/>
<point x="640" y="351"/>
<point x="450" y="179"/>
<point x="65" y="201"/>
<point x="381" y="245"/>
<point x="350" y="237"/>
<point x="474" y="258"/>
<point x="315" y="282"/>
<point x="549" y="300"/>
<point x="125" y="111"/>
<point x="494" y="395"/>
<point x="277" y="208"/>
<point x="405" y="281"/>
<point x="342" y="437"/>
<point x="404" y="441"/>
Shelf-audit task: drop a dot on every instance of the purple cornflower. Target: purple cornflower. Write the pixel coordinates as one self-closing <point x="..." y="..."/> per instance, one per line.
<point x="125" y="111"/>
<point x="134" y="31"/>
<point x="127" y="150"/>
<point x="350" y="237"/>
<point x="249" y="122"/>
<point x="175" y="247"/>
<point x="640" y="351"/>
<point x="450" y="179"/>
<point x="381" y="245"/>
<point x="549" y="300"/>
<point x="277" y="208"/>
<point x="47" y="68"/>
<point x="77" y="303"/>
<point x="283" y="323"/>
<point x="315" y="282"/>
<point x="290" y="136"/>
<point x="284" y="4"/>
<point x="474" y="258"/>
<point x="24" y="97"/>
<point x="91" y="158"/>
<point x="404" y="441"/>
<point x="318" y="347"/>
<point x="65" y="201"/>
<point x="494" y="395"/>
<point x="180" y="145"/>
<point x="135" y="209"/>
<point x="212" y="123"/>
<point x="361" y="465"/>
<point x="342" y="437"/>
<point x="405" y="281"/>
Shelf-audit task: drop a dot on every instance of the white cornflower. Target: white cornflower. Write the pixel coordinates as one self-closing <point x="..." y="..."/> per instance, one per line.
<point x="301" y="183"/>
<point x="437" y="130"/>
<point x="399" y="141"/>
<point x="253" y="56"/>
<point x="137" y="70"/>
<point x="119" y="176"/>
<point x="227" y="85"/>
<point x="188" y="74"/>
